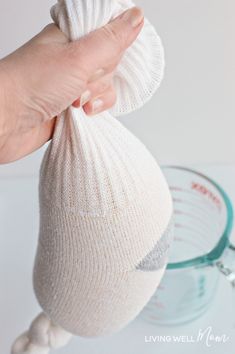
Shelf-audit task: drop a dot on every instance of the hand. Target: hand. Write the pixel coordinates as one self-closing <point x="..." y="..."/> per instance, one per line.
<point x="49" y="73"/>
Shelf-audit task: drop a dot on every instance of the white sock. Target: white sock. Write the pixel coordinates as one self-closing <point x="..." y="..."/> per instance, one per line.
<point x="105" y="207"/>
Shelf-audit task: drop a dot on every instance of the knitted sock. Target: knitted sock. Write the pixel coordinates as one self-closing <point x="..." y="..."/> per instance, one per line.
<point x="105" y="207"/>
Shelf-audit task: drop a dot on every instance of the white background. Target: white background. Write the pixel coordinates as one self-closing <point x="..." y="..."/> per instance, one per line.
<point x="191" y="118"/>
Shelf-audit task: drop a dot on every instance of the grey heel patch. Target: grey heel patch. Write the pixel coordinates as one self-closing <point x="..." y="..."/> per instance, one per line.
<point x="157" y="257"/>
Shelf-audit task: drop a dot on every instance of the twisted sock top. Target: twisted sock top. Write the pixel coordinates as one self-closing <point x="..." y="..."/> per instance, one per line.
<point x="141" y="69"/>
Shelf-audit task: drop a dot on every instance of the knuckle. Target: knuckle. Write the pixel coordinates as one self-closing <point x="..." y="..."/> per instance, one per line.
<point x="73" y="58"/>
<point x="72" y="52"/>
<point x="103" y="86"/>
<point x="116" y="38"/>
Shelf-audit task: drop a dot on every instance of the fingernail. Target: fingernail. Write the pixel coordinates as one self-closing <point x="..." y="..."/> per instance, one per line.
<point x="85" y="97"/>
<point x="97" y="75"/>
<point x="134" y="16"/>
<point x="96" y="105"/>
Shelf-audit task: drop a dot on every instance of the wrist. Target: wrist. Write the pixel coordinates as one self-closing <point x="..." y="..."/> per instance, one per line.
<point x="4" y="130"/>
<point x="2" y="98"/>
<point x="9" y="105"/>
<point x="5" y="107"/>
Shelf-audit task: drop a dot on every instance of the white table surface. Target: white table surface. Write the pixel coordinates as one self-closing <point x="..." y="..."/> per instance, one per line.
<point x="18" y="239"/>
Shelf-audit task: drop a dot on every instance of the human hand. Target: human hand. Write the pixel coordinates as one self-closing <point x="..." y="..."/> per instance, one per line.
<point x="49" y="73"/>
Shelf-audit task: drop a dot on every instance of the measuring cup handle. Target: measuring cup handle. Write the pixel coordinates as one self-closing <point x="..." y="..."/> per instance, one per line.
<point x="226" y="264"/>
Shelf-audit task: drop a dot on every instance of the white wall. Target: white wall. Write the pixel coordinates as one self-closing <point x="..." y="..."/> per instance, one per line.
<point x="191" y="119"/>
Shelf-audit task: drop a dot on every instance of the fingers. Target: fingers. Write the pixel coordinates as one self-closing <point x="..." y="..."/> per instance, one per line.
<point x="99" y="96"/>
<point x="101" y="102"/>
<point x="94" y="89"/>
<point x="98" y="66"/>
<point x="90" y="61"/>
<point x="100" y="85"/>
<point x="111" y="40"/>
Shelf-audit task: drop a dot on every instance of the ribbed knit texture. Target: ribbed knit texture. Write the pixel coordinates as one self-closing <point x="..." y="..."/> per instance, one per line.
<point x="105" y="207"/>
<point x="140" y="73"/>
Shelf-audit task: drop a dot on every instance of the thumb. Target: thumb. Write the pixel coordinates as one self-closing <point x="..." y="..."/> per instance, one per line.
<point x="101" y="50"/>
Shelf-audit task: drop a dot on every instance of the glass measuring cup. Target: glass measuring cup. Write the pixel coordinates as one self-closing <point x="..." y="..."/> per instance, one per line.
<point x="203" y="222"/>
